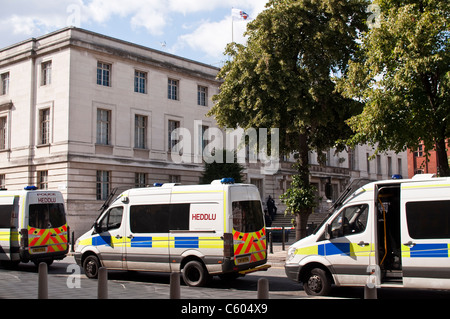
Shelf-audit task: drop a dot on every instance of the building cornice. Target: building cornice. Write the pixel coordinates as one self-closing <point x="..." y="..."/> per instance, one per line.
<point x="77" y="38"/>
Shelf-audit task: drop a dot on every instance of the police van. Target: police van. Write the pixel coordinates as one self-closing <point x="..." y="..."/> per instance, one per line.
<point x="33" y="226"/>
<point x="392" y="233"/>
<point x="200" y="231"/>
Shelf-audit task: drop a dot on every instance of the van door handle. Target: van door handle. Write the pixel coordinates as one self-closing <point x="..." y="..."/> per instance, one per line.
<point x="363" y="244"/>
<point x="410" y="244"/>
<point x="119" y="237"/>
<point x="130" y="237"/>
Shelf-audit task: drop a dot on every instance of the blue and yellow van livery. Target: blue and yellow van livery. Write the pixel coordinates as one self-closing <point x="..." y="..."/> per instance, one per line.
<point x="391" y="233"/>
<point x="173" y="228"/>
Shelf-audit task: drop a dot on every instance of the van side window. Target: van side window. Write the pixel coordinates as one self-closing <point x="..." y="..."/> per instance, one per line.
<point x="352" y="220"/>
<point x="6" y="216"/>
<point x="112" y="220"/>
<point x="159" y="218"/>
<point x="428" y="220"/>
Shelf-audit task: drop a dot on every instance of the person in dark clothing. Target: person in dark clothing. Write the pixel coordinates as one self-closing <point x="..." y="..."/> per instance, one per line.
<point x="271" y="207"/>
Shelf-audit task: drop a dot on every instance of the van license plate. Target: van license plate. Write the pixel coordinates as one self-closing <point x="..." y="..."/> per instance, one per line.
<point x="39" y="250"/>
<point x="243" y="260"/>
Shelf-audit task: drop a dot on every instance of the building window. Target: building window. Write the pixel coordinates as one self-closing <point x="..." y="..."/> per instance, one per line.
<point x="4" y="85"/>
<point x="44" y="126"/>
<point x="2" y="181"/>
<point x="175" y="179"/>
<point x="173" y="138"/>
<point x="103" y="127"/>
<point x="104" y="74"/>
<point x="204" y="138"/>
<point x="46" y="73"/>
<point x="43" y="180"/>
<point x="390" y="172"/>
<point x="103" y="184"/>
<point x="419" y="152"/>
<point x="140" y="82"/>
<point x="140" y="180"/>
<point x="173" y="86"/>
<point x="3" y="132"/>
<point x="140" y="132"/>
<point x="379" y="170"/>
<point x="368" y="162"/>
<point x="202" y="96"/>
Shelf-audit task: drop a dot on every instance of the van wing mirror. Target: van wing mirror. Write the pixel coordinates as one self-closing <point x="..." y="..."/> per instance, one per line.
<point x="328" y="232"/>
<point x="98" y="229"/>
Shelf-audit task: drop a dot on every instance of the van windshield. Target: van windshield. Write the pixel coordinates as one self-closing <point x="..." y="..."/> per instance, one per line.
<point x="247" y="216"/>
<point x="47" y="216"/>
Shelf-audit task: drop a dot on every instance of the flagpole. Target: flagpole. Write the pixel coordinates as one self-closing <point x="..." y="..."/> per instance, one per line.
<point x="232" y="25"/>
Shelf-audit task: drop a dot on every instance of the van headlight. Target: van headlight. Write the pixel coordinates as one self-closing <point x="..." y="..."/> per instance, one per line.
<point x="77" y="243"/>
<point x="291" y="253"/>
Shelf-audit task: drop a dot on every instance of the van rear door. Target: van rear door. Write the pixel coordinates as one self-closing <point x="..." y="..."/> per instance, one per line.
<point x="249" y="233"/>
<point x="426" y="235"/>
<point x="8" y="235"/>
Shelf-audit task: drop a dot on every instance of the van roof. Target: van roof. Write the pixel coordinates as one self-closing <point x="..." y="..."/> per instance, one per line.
<point x="166" y="188"/>
<point x="358" y="185"/>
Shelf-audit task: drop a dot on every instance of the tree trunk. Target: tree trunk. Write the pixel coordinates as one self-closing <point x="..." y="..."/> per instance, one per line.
<point x="301" y="220"/>
<point x="303" y="172"/>
<point x="441" y="153"/>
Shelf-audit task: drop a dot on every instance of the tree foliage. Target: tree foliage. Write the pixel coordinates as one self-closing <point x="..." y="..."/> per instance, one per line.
<point x="214" y="170"/>
<point x="403" y="78"/>
<point x="282" y="78"/>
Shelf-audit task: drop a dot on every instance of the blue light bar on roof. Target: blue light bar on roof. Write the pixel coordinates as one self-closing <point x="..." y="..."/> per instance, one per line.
<point x="227" y="180"/>
<point x="30" y="188"/>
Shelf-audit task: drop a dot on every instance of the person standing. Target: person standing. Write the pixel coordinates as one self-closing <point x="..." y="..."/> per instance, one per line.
<point x="272" y="209"/>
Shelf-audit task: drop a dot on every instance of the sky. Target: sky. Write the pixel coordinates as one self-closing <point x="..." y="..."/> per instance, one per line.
<point x="194" y="29"/>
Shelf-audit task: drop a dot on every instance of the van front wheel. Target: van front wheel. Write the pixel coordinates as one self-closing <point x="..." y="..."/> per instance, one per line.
<point x="91" y="265"/>
<point x="317" y="283"/>
<point x="194" y="274"/>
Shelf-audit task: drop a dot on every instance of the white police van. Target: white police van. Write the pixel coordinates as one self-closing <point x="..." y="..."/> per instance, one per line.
<point x="200" y="230"/>
<point x="392" y="233"/>
<point x="33" y="226"/>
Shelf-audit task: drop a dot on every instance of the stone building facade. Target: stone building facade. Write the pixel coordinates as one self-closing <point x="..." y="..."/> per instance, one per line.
<point x="84" y="113"/>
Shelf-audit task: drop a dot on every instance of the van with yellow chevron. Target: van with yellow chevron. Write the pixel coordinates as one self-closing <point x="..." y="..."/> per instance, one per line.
<point x="198" y="230"/>
<point x="393" y="233"/>
<point x="33" y="226"/>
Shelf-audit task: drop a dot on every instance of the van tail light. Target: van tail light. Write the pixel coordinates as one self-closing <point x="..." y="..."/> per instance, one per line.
<point x="228" y="245"/>
<point x="24" y="238"/>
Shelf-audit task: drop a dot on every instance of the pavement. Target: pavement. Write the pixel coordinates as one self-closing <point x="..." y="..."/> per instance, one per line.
<point x="278" y="257"/>
<point x="64" y="282"/>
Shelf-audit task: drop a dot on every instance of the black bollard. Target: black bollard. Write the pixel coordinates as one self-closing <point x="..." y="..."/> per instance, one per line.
<point x="175" y="292"/>
<point x="102" y="292"/>
<point x="263" y="288"/>
<point x="43" y="281"/>
<point x="370" y="291"/>
<point x="271" y="243"/>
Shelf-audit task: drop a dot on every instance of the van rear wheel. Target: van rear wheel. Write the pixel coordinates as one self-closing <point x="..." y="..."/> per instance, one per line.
<point x="195" y="274"/>
<point x="317" y="283"/>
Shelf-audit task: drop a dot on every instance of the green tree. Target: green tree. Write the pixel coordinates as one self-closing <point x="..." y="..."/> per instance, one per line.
<point x="214" y="170"/>
<point x="403" y="78"/>
<point x="282" y="77"/>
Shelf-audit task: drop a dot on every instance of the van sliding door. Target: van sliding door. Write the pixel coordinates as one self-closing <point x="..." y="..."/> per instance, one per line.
<point x="425" y="236"/>
<point x="148" y="238"/>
